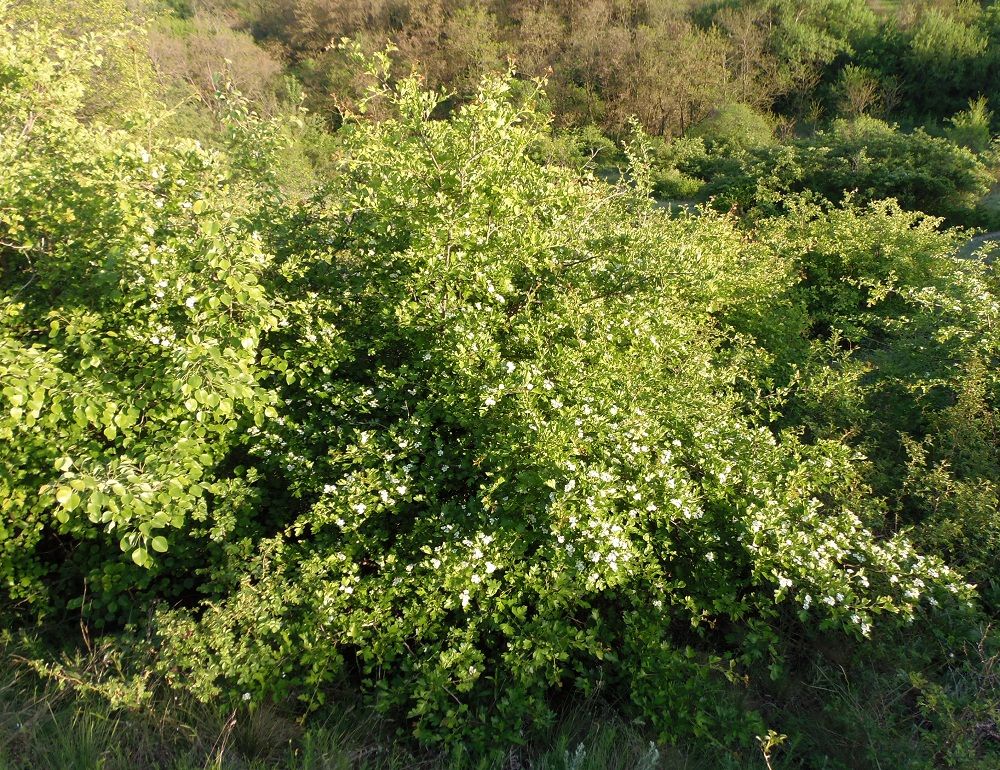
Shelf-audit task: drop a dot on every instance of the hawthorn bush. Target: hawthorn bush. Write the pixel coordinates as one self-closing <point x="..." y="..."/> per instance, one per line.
<point x="132" y="313"/>
<point x="514" y="457"/>
<point x="465" y="431"/>
<point x="913" y="329"/>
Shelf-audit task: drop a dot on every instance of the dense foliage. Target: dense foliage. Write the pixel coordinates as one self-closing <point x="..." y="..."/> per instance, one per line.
<point x="473" y="434"/>
<point x="670" y="63"/>
<point x="866" y="159"/>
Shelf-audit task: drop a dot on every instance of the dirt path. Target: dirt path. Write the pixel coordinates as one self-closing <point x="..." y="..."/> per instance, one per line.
<point x="989" y="254"/>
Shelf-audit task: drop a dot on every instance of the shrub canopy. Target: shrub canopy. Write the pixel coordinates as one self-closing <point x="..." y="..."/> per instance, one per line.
<point x="471" y="431"/>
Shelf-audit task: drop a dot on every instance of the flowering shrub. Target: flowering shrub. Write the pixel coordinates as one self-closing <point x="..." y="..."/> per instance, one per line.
<point x="514" y="459"/>
<point x="468" y="430"/>
<point x="130" y="320"/>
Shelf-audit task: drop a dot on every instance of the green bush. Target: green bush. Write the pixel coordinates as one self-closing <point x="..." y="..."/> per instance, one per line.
<point x="511" y="460"/>
<point x="132" y="314"/>
<point x="668" y="158"/>
<point x="864" y="158"/>
<point x="467" y="432"/>
<point x="947" y="60"/>
<point x="971" y="128"/>
<point x="917" y="341"/>
<point x="736" y="126"/>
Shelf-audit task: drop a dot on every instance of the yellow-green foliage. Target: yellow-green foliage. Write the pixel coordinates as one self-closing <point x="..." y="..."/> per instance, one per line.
<point x="462" y="431"/>
<point x="121" y="86"/>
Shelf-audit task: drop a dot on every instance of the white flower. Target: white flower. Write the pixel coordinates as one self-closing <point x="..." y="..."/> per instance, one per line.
<point x="476" y="579"/>
<point x="360" y="508"/>
<point x="246" y="696"/>
<point x="490" y="568"/>
<point x="511" y="366"/>
<point x="464" y="596"/>
<point x="490" y="401"/>
<point x="190" y="301"/>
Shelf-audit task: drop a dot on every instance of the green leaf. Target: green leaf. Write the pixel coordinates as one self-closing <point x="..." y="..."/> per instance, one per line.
<point x="63" y="495"/>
